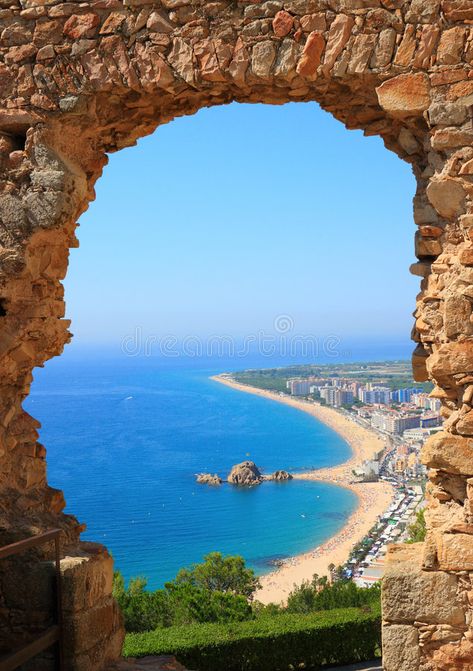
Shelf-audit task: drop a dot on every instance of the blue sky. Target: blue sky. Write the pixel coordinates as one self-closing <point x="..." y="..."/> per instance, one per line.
<point x="220" y="222"/>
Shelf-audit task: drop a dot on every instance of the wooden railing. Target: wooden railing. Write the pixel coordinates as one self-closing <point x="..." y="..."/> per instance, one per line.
<point x="53" y="635"/>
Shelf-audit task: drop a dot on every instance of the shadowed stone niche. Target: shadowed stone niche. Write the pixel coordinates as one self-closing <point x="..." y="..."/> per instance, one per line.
<point x="81" y="79"/>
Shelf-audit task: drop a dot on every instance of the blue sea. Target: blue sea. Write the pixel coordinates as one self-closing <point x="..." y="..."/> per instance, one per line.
<point x="126" y="436"/>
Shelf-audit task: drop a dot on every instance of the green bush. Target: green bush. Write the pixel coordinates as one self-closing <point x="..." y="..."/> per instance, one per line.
<point x="282" y="643"/>
<point x="189" y="604"/>
<point x="218" y="590"/>
<point x="142" y="610"/>
<point x="319" y="594"/>
<point x="219" y="574"/>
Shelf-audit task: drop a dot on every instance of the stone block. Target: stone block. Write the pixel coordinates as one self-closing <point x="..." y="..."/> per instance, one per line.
<point x="426" y="247"/>
<point x="457" y="316"/>
<point x="80" y="26"/>
<point x="312" y="54"/>
<point x="31" y="583"/>
<point x="446" y="452"/>
<point x="450" y="359"/>
<point x="447" y="196"/>
<point x="464" y="426"/>
<point x="99" y="657"/>
<point x="457" y="10"/>
<point x="87" y="629"/>
<point x="450" y="48"/>
<point x="447" y="114"/>
<point x="455" y="552"/>
<point x="282" y="23"/>
<point x="263" y="58"/>
<point x="423" y="11"/>
<point x="411" y="594"/>
<point x="400" y="648"/>
<point x="86" y="580"/>
<point x="405" y="95"/>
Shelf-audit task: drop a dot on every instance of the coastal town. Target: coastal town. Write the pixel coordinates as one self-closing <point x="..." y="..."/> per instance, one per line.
<point x="386" y="419"/>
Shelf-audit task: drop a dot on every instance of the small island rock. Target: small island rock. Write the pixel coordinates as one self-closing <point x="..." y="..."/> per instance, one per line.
<point x="245" y="474"/>
<point x="280" y="476"/>
<point x="209" y="479"/>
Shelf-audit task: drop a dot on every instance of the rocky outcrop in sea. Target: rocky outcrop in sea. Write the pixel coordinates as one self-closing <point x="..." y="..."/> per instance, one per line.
<point x="280" y="476"/>
<point x="245" y="474"/>
<point x="209" y="479"/>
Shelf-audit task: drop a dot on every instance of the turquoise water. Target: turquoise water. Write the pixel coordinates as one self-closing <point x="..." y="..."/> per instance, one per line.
<point x="125" y="438"/>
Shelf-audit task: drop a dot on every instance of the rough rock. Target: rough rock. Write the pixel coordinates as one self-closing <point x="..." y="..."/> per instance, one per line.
<point x="401" y="647"/>
<point x="405" y="95"/>
<point x="283" y="23"/>
<point x="457" y="10"/>
<point x="451" y="359"/>
<point x="337" y="38"/>
<point x="263" y="58"/>
<point x="245" y="474"/>
<point x="453" y="454"/>
<point x="78" y="26"/>
<point x="410" y="594"/>
<point x="280" y="476"/>
<point x="209" y="479"/>
<point x="448" y="197"/>
<point x="312" y="55"/>
<point x="455" y="552"/>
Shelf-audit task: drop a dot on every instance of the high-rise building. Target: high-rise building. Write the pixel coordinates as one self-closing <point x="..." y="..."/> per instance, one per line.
<point x="344" y="397"/>
<point x="299" y="387"/>
<point x="379" y="420"/>
<point x="392" y="422"/>
<point x="404" y="395"/>
<point x="400" y="424"/>
<point x="337" y="397"/>
<point x="422" y="400"/>
<point x="375" y="395"/>
<point x="328" y="394"/>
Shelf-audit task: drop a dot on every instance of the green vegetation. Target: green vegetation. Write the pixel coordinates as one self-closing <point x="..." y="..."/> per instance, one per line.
<point x="392" y="374"/>
<point x="418" y="530"/>
<point x="218" y="590"/>
<point x="208" y="613"/>
<point x="319" y="595"/>
<point x="287" y="641"/>
<point x="269" y="380"/>
<point x="222" y="574"/>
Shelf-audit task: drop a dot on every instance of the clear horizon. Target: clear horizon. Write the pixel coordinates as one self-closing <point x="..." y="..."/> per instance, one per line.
<point x="240" y="216"/>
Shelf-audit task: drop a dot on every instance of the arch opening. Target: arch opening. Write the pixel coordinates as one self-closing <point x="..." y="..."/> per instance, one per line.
<point x="174" y="258"/>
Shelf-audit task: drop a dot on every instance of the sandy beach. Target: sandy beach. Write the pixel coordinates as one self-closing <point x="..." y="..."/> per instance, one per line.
<point x="373" y="498"/>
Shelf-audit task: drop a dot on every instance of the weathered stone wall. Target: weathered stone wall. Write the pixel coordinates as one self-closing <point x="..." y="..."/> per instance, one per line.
<point x="80" y="79"/>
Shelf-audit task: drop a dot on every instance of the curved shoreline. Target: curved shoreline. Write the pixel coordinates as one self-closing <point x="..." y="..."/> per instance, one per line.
<point x="373" y="498"/>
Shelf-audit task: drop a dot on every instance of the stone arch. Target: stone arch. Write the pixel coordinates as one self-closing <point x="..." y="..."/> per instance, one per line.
<point x="79" y="80"/>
